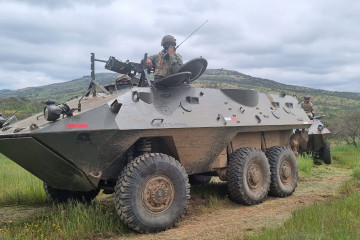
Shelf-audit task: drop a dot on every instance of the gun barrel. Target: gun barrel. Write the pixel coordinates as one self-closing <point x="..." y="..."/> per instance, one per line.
<point x="98" y="60"/>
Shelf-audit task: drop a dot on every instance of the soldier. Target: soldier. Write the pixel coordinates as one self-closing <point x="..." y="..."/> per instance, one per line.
<point x="168" y="65"/>
<point x="308" y="107"/>
<point x="122" y="79"/>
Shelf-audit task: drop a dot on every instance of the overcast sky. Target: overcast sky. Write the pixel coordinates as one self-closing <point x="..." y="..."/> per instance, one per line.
<point x="307" y="43"/>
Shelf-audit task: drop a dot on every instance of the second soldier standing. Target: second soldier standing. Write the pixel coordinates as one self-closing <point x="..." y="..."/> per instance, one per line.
<point x="308" y="107"/>
<point x="165" y="64"/>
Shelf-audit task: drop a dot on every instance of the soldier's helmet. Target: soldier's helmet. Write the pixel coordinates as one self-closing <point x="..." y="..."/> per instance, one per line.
<point x="307" y="98"/>
<point x="167" y="40"/>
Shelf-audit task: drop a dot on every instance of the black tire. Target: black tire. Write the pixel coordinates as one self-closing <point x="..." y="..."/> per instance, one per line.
<point x="199" y="179"/>
<point x="61" y="196"/>
<point x="152" y="193"/>
<point x="325" y="153"/>
<point x="284" y="171"/>
<point x="248" y="176"/>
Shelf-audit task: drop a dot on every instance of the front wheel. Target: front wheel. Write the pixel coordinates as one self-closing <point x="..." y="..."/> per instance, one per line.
<point x="152" y="193"/>
<point x="325" y="153"/>
<point x="248" y="177"/>
<point x="284" y="171"/>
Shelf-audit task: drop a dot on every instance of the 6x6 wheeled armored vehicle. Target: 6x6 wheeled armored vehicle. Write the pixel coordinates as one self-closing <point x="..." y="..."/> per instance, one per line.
<point x="143" y="141"/>
<point x="313" y="140"/>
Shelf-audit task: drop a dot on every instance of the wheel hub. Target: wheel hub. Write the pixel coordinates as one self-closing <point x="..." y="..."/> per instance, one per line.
<point x="286" y="173"/>
<point x="254" y="176"/>
<point x="158" y="194"/>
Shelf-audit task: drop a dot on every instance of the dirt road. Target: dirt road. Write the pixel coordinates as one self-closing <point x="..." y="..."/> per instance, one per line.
<point x="233" y="220"/>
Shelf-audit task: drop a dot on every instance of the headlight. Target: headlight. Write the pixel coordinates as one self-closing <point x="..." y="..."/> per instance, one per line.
<point x="320" y="128"/>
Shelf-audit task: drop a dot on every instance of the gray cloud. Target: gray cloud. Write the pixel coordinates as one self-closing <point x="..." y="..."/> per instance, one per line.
<point x="55" y="4"/>
<point x="307" y="43"/>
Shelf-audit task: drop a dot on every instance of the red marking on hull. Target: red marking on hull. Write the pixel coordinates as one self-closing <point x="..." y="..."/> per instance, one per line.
<point x="77" y="125"/>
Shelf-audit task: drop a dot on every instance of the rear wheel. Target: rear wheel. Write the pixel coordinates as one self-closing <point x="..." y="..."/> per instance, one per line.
<point x="248" y="176"/>
<point x="152" y="193"/>
<point x="61" y="196"/>
<point x="284" y="171"/>
<point x="325" y="153"/>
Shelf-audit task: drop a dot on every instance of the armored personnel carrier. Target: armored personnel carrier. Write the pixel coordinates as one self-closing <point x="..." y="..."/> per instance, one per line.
<point x="143" y="139"/>
<point x="313" y="140"/>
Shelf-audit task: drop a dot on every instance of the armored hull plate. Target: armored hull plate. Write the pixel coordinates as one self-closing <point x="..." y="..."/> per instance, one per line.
<point x="45" y="164"/>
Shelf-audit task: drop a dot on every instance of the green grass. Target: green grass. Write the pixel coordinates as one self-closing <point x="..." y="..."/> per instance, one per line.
<point x="336" y="219"/>
<point x="213" y="195"/>
<point x="346" y="156"/>
<point x="356" y="173"/>
<point x="18" y="186"/>
<point x="305" y="164"/>
<point x="68" y="221"/>
<point x="352" y="185"/>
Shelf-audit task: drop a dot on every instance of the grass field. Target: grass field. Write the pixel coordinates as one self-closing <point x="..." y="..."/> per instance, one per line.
<point x="68" y="221"/>
<point x="18" y="186"/>
<point x="65" y="221"/>
<point x="337" y="219"/>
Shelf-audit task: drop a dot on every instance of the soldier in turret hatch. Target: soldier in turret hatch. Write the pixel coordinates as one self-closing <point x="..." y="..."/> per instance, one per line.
<point x="308" y="107"/>
<point x="166" y="62"/>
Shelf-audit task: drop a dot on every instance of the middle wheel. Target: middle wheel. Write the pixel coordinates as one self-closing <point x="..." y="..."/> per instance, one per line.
<point x="248" y="176"/>
<point x="152" y="193"/>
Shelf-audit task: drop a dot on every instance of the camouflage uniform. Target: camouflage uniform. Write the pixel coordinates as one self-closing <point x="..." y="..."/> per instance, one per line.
<point x="123" y="79"/>
<point x="166" y="67"/>
<point x="308" y="108"/>
<point x="169" y="65"/>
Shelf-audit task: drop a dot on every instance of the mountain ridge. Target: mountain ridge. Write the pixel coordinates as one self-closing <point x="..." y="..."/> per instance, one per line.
<point x="103" y="78"/>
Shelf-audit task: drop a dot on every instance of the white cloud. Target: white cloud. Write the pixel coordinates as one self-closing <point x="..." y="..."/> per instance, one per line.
<point x="308" y="43"/>
<point x="12" y="79"/>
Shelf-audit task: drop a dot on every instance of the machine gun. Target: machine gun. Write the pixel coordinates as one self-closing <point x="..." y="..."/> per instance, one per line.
<point x="9" y="120"/>
<point x="131" y="69"/>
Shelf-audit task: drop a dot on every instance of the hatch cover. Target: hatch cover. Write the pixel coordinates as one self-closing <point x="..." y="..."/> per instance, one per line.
<point x="196" y="66"/>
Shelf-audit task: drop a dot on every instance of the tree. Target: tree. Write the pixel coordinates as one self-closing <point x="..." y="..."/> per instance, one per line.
<point x="349" y="129"/>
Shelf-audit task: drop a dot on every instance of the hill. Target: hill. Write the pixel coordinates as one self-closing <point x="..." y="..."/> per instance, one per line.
<point x="4" y="90"/>
<point x="59" y="91"/>
<point x="333" y="104"/>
